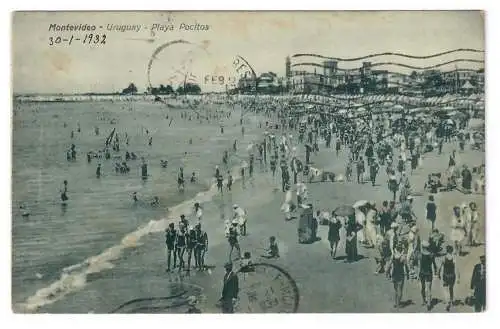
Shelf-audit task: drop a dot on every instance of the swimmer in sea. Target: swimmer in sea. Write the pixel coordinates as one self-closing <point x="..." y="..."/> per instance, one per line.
<point x="25" y="212"/>
<point x="73" y="152"/>
<point x="134" y="197"/>
<point x="98" y="171"/>
<point x="155" y="202"/>
<point x="64" y="191"/>
<point x="193" y="177"/>
<point x="180" y="179"/>
<point x="144" y="170"/>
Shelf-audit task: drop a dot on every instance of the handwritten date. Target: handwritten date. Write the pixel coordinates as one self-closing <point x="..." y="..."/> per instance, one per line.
<point x="86" y="39"/>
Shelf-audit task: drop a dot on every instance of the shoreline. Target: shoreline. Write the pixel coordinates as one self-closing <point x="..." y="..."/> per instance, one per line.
<point x="73" y="277"/>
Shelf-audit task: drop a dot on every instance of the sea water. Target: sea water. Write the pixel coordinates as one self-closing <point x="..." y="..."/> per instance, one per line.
<point x="56" y="247"/>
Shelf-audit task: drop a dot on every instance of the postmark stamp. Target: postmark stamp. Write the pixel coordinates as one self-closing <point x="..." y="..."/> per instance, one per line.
<point x="267" y="288"/>
<point x="180" y="63"/>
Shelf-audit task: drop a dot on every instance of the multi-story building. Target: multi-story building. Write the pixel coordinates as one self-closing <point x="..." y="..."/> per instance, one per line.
<point x="307" y="82"/>
<point x="247" y="83"/>
<point x="456" y="79"/>
<point x="332" y="76"/>
<point x="367" y="80"/>
<point x="381" y="79"/>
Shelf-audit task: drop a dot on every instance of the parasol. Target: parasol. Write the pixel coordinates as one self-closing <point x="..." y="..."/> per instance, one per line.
<point x="359" y="203"/>
<point x="344" y="210"/>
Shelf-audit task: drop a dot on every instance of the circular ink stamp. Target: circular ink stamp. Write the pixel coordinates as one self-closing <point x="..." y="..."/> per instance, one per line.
<point x="175" y="302"/>
<point x="181" y="66"/>
<point x="266" y="288"/>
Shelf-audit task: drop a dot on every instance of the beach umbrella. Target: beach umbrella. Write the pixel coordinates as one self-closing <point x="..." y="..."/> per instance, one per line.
<point x="344" y="210"/>
<point x="359" y="203"/>
<point x="398" y="107"/>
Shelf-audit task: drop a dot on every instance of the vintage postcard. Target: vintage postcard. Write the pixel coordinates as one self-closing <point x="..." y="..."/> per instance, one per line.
<point x="248" y="162"/>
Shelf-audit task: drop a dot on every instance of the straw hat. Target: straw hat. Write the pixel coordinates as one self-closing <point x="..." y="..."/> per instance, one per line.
<point x="394" y="225"/>
<point x="425" y="244"/>
<point x="414" y="229"/>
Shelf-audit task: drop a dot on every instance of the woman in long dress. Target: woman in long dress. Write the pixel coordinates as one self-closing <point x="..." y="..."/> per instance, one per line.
<point x="351" y="244"/>
<point x="466" y="216"/>
<point x="360" y="220"/>
<point x="371" y="230"/>
<point x="474" y="224"/>
<point x="457" y="233"/>
<point x="287" y="206"/>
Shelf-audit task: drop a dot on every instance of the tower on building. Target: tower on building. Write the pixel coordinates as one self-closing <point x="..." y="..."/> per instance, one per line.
<point x="288" y="67"/>
<point x="329" y="68"/>
<point x="367" y="67"/>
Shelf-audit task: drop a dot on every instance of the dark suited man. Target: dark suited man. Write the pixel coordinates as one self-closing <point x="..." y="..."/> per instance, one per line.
<point x="478" y="285"/>
<point x="230" y="289"/>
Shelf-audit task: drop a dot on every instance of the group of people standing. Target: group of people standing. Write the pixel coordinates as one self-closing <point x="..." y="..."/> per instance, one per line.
<point x="186" y="239"/>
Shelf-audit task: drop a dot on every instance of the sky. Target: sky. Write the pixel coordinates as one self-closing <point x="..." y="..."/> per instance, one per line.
<point x="263" y="39"/>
